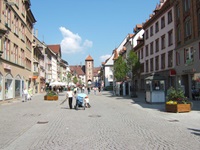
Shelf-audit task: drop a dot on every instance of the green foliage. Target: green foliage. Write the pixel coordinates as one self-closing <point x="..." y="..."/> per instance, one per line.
<point x="75" y="80"/>
<point x="120" y="69"/>
<point x="133" y="62"/>
<point x="51" y="93"/>
<point x="176" y="95"/>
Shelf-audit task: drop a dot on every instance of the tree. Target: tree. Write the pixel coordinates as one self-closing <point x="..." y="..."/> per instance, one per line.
<point x="69" y="76"/>
<point x="120" y="69"/>
<point x="75" y="80"/>
<point x="133" y="65"/>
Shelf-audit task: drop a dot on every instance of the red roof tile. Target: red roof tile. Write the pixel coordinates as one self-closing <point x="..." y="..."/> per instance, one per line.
<point x="55" y="48"/>
<point x="89" y="58"/>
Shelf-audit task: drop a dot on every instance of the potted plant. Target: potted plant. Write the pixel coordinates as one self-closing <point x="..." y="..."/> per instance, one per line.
<point x="176" y="101"/>
<point x="51" y="95"/>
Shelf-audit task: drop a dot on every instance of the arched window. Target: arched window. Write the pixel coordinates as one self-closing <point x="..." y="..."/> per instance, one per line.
<point x="8" y="86"/>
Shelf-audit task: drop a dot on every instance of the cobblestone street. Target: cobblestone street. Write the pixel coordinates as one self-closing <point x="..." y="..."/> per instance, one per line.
<point x="112" y="123"/>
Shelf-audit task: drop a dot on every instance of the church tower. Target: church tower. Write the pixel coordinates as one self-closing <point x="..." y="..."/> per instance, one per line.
<point x="89" y="65"/>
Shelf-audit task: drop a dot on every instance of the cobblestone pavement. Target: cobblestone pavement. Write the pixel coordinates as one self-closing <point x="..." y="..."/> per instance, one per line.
<point x="112" y="123"/>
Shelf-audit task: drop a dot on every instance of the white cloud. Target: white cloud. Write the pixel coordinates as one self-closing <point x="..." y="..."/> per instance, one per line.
<point x="72" y="43"/>
<point x="104" y="57"/>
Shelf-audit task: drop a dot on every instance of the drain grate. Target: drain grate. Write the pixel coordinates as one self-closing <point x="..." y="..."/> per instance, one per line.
<point x="42" y="122"/>
<point x="94" y="116"/>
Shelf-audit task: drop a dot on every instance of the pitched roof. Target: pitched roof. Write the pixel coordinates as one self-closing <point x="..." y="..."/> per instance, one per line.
<point x="77" y="69"/>
<point x="55" y="48"/>
<point x="89" y="58"/>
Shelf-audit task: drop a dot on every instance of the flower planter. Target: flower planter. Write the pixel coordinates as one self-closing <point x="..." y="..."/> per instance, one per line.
<point x="176" y="108"/>
<point x="51" y="98"/>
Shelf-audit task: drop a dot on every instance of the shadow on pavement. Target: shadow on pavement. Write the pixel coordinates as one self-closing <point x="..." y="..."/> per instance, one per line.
<point x="195" y="131"/>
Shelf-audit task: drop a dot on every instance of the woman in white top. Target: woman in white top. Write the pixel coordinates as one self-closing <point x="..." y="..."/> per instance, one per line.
<point x="70" y="97"/>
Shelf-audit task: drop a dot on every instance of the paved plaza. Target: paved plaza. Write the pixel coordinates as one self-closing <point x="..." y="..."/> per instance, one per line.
<point x="112" y="123"/>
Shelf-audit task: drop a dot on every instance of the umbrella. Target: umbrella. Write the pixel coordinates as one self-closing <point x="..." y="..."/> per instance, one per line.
<point x="57" y="83"/>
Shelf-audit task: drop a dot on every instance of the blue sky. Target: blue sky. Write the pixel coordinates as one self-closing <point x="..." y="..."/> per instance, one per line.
<point x="88" y="27"/>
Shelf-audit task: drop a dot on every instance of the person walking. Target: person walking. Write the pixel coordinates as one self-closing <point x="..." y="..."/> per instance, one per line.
<point x="70" y="97"/>
<point x="25" y="93"/>
<point x="88" y="89"/>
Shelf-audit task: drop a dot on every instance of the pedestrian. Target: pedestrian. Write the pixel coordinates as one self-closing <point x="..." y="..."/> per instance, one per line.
<point x="25" y="93"/>
<point x="99" y="89"/>
<point x="30" y="93"/>
<point x="88" y="89"/>
<point x="87" y="102"/>
<point x="75" y="90"/>
<point x="70" y="97"/>
<point x="83" y="89"/>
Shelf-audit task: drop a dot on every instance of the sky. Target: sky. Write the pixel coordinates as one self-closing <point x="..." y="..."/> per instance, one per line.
<point x="88" y="27"/>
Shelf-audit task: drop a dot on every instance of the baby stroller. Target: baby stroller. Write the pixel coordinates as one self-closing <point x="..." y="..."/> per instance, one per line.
<point x="80" y="101"/>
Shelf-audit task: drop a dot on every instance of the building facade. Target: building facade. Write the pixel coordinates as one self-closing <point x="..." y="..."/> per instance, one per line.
<point x="16" y="29"/>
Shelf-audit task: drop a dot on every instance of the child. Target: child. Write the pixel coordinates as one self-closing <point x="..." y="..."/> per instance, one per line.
<point x="87" y="103"/>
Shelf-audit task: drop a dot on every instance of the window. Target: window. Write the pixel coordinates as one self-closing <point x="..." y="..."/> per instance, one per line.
<point x="163" y="42"/>
<point x="177" y="12"/>
<point x="16" y="26"/>
<point x="151" y="64"/>
<point x="7" y="49"/>
<point x="22" y="58"/>
<point x="142" y="53"/>
<point x="157" y="45"/>
<point x="147" y="34"/>
<point x="178" y="58"/>
<point x="16" y="54"/>
<point x="169" y="16"/>
<point x="147" y="50"/>
<point x="198" y="18"/>
<point x="163" y="61"/>
<point x="151" y="31"/>
<point x="157" y="27"/>
<point x="7" y="16"/>
<point x="170" y="58"/>
<point x="188" y="27"/>
<point x="147" y="66"/>
<point x="178" y="34"/>
<point x="189" y="55"/>
<point x="162" y="22"/>
<point x="151" y="48"/>
<point x="170" y="37"/>
<point x="186" y="4"/>
<point x="157" y="62"/>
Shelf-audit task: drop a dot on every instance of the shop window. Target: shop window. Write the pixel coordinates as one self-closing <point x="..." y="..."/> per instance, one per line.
<point x="17" y="86"/>
<point x="8" y="87"/>
<point x="189" y="56"/>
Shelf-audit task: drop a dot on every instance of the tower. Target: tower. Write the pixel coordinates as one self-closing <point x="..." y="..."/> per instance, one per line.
<point x="89" y="65"/>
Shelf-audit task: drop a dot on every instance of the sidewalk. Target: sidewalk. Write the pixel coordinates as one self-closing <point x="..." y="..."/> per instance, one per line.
<point x="161" y="107"/>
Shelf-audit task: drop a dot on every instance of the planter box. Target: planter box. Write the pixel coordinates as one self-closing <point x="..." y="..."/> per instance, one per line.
<point x="51" y="98"/>
<point x="177" y="108"/>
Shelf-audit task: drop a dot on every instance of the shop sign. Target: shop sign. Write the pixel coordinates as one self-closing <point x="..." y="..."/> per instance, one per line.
<point x="189" y="71"/>
<point x="172" y="72"/>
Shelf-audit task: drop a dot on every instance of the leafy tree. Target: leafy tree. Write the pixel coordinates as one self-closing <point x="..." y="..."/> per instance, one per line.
<point x="75" y="80"/>
<point x="69" y="76"/>
<point x="120" y="69"/>
<point x="133" y="65"/>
